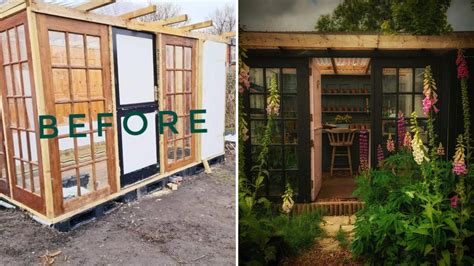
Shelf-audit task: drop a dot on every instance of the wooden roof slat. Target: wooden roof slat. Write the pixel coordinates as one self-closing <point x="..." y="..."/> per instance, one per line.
<point x="196" y="26"/>
<point x="317" y="41"/>
<point x="334" y="65"/>
<point x="11" y="8"/>
<point x="170" y="20"/>
<point x="94" y="4"/>
<point x="139" y="12"/>
<point x="228" y="34"/>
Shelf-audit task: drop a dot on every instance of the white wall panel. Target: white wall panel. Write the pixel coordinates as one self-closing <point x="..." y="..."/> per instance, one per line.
<point x="214" y="82"/>
<point x="135" y="69"/>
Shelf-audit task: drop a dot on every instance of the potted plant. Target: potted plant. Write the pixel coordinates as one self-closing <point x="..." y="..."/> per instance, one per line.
<point x="343" y="121"/>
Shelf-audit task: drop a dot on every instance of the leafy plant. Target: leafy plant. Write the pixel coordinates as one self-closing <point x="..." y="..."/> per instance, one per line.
<point x="343" y="119"/>
<point x="342" y="238"/>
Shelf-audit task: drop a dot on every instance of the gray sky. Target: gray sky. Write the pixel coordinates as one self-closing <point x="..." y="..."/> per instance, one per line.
<point x="301" y="15"/>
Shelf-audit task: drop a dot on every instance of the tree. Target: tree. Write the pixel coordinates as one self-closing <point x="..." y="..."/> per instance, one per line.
<point x="423" y="17"/>
<point x="223" y="20"/>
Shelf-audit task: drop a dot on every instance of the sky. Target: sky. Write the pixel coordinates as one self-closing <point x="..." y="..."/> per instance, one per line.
<point x="301" y="15"/>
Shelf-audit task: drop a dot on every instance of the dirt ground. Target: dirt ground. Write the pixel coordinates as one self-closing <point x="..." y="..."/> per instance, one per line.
<point x="193" y="225"/>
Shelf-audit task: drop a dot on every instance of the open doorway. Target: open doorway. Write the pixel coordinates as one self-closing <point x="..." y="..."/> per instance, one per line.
<point x="341" y="90"/>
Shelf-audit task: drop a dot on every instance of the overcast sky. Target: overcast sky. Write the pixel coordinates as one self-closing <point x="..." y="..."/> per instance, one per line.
<point x="301" y="15"/>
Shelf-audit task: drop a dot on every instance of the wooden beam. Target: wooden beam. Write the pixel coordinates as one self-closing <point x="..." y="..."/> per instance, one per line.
<point x="197" y="26"/>
<point x="334" y="68"/>
<point x="7" y="10"/>
<point x="91" y="5"/>
<point x="60" y="11"/>
<point x="229" y="34"/>
<point x="139" y="12"/>
<point x="368" y="66"/>
<point x="171" y="20"/>
<point x="317" y="41"/>
<point x="207" y="168"/>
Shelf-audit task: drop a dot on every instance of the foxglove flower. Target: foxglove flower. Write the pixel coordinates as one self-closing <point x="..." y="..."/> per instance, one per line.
<point x="244" y="82"/>
<point x="463" y="72"/>
<point x="390" y="144"/>
<point x="401" y="129"/>
<point x="273" y="108"/>
<point x="454" y="201"/>
<point x="380" y="156"/>
<point x="440" y="150"/>
<point x="459" y="165"/>
<point x="419" y="150"/>
<point x="363" y="151"/>
<point x="407" y="141"/>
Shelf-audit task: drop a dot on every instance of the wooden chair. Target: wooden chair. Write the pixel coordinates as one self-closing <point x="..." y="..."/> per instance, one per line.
<point x="341" y="138"/>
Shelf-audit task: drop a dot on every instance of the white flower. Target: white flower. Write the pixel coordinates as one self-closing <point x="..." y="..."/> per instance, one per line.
<point x="419" y="149"/>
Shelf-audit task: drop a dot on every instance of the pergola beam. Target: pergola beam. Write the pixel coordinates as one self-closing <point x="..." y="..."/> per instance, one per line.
<point x="170" y="20"/>
<point x="334" y="65"/>
<point x="196" y="26"/>
<point x="368" y="66"/>
<point x="91" y="5"/>
<point x="139" y="12"/>
<point x="228" y="34"/>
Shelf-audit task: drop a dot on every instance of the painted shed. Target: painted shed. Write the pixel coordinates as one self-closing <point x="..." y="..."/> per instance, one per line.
<point x="58" y="60"/>
<point x="370" y="77"/>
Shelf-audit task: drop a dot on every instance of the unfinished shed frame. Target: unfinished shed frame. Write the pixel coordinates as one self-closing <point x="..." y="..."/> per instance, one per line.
<point x="59" y="61"/>
<point x="369" y="76"/>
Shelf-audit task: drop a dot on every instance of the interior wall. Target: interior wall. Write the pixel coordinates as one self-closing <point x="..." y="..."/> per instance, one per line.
<point x="213" y="98"/>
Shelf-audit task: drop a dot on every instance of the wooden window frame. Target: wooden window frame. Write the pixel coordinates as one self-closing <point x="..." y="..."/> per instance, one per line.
<point x="69" y="26"/>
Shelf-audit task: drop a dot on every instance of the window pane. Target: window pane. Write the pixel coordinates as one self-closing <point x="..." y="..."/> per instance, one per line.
<point x="96" y="108"/>
<point x="405" y="104"/>
<point x="419" y="106"/>
<point x="178" y="57"/>
<point x="257" y="128"/>
<point x="188" y="81"/>
<point x="419" y="79"/>
<point x="84" y="149"/>
<point x="62" y="115"/>
<point x="95" y="83"/>
<point x="389" y="80"/>
<point x="187" y="58"/>
<point x="66" y="152"/>
<point x="179" y="81"/>
<point x="34" y="151"/>
<point x="79" y="84"/>
<point x="289" y="104"/>
<point x="275" y="157"/>
<point x="101" y="174"/>
<point x="276" y="132"/>
<point x="86" y="179"/>
<point x="26" y="79"/>
<point x="179" y="104"/>
<point x="36" y="179"/>
<point x="170" y="81"/>
<point x="57" y="42"/>
<point x="61" y="84"/>
<point x="179" y="149"/>
<point x="93" y="51"/>
<point x="389" y="106"/>
<point x="100" y="146"/>
<point x="291" y="134"/>
<point x="30" y="113"/>
<point x="13" y="112"/>
<point x="82" y="108"/>
<point x="256" y="80"/>
<point x="13" y="45"/>
<point x="24" y="145"/>
<point x="69" y="184"/>
<point x="17" y="79"/>
<point x="187" y="147"/>
<point x="9" y="80"/>
<point x="170" y="152"/>
<point x="257" y="101"/>
<point x="76" y="49"/>
<point x="169" y="56"/>
<point x="289" y="80"/>
<point x="291" y="160"/>
<point x="21" y="37"/>
<point x="388" y="128"/>
<point x="188" y="104"/>
<point x="270" y="72"/>
<point x="21" y="109"/>
<point x="4" y="43"/>
<point x="405" y="81"/>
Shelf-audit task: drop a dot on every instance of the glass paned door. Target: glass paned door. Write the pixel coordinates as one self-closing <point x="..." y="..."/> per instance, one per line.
<point x="288" y="156"/>
<point x="179" y="95"/>
<point x="77" y="66"/>
<point x="19" y="107"/>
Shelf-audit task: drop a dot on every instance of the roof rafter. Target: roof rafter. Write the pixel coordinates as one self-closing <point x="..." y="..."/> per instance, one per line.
<point x="196" y="26"/>
<point x="91" y="5"/>
<point x="139" y="12"/>
<point x="170" y="20"/>
<point x="368" y="66"/>
<point x="228" y="34"/>
<point x="333" y="65"/>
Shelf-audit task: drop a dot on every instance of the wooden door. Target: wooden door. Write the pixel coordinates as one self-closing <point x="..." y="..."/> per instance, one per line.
<point x="20" y="116"/>
<point x="4" y="186"/>
<point x="179" y="95"/>
<point x="316" y="130"/>
<point x="135" y="90"/>
<point x="76" y="76"/>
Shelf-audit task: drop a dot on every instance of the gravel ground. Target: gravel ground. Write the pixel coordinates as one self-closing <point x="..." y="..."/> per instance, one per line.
<point x="193" y="225"/>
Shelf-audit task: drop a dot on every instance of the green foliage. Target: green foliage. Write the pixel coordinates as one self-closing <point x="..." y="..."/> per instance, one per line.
<point x="342" y="238"/>
<point x="423" y="17"/>
<point x="298" y="231"/>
